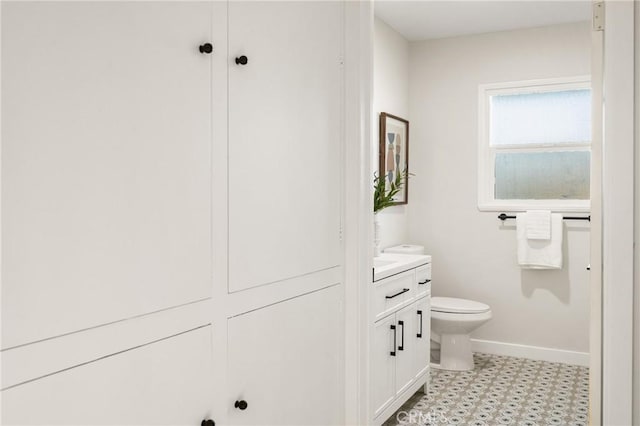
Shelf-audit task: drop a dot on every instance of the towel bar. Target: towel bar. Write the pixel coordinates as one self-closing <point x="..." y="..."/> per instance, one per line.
<point x="503" y="217"/>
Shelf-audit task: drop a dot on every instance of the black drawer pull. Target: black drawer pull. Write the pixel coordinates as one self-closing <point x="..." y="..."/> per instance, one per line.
<point x="419" y="335"/>
<point x="404" y="290"/>
<point x="208" y="422"/>
<point x="401" y="346"/>
<point x="393" y="352"/>
<point x="241" y="405"/>
<point x="424" y="282"/>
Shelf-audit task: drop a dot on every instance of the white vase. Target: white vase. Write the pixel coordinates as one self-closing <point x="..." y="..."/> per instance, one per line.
<point x="376" y="235"/>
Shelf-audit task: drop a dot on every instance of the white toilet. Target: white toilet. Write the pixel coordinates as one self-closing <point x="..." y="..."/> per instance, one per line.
<point x="452" y="321"/>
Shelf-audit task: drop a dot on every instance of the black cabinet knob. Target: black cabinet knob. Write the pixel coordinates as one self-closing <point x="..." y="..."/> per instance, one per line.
<point x="241" y="405"/>
<point x="208" y="422"/>
<point x="242" y="60"/>
<point x="206" y="48"/>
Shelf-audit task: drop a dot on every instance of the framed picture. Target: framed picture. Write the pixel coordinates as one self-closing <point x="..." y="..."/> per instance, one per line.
<point x="394" y="153"/>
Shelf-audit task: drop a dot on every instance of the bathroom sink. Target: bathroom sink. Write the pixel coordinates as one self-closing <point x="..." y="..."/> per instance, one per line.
<point x="378" y="263"/>
<point x="388" y="264"/>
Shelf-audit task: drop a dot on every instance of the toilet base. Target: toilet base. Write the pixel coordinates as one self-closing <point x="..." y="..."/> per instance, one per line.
<point x="455" y="353"/>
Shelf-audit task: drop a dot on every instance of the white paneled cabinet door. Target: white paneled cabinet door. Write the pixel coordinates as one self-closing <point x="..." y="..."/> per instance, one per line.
<point x="422" y="350"/>
<point x="406" y="330"/>
<point x="283" y="363"/>
<point x="285" y="83"/>
<point x="383" y="365"/>
<point x="161" y="383"/>
<point x="106" y="162"/>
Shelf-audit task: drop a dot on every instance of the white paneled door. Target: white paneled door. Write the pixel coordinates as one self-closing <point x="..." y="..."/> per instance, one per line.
<point x="161" y="383"/>
<point x="422" y="350"/>
<point x="106" y="162"/>
<point x="405" y="361"/>
<point x="284" y="362"/>
<point x="383" y="363"/>
<point x="285" y="112"/>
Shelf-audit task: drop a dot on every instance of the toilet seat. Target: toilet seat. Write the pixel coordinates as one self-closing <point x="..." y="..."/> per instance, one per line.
<point x="457" y="306"/>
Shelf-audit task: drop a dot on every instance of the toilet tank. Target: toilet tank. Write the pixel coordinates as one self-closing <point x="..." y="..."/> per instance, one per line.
<point x="405" y="249"/>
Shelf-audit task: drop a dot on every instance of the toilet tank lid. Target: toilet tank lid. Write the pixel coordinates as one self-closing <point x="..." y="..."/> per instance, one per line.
<point x="405" y="249"/>
<point x="457" y="306"/>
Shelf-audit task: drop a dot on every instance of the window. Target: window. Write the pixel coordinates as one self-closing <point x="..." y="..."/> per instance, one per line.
<point x="535" y="145"/>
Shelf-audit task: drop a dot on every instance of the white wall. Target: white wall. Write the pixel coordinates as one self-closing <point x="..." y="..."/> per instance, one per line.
<point x="390" y="94"/>
<point x="474" y="255"/>
<point x="636" y="292"/>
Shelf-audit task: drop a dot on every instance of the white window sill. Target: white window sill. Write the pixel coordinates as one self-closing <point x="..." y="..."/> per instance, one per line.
<point x="559" y="206"/>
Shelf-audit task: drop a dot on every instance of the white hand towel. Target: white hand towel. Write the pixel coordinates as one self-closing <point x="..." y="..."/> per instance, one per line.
<point x="538" y="224"/>
<point x="540" y="254"/>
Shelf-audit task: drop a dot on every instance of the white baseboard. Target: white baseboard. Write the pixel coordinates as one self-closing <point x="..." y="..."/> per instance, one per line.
<point x="530" y="352"/>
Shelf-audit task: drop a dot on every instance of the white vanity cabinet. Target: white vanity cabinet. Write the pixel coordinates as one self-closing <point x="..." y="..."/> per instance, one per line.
<point x="400" y="339"/>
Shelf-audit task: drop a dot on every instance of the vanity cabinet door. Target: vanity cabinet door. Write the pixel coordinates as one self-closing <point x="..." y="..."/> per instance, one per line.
<point x="106" y="162"/>
<point x="284" y="362"/>
<point x="162" y="383"/>
<point x="406" y="329"/>
<point x="285" y="80"/>
<point x="422" y="349"/>
<point x="383" y="363"/>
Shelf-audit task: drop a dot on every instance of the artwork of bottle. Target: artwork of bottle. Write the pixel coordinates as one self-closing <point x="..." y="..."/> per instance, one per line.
<point x="390" y="167"/>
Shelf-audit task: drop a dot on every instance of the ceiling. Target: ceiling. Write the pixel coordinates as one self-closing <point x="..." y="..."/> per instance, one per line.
<point x="422" y="20"/>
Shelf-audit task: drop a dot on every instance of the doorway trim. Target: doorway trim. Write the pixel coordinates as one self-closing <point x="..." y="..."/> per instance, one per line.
<point x="618" y="214"/>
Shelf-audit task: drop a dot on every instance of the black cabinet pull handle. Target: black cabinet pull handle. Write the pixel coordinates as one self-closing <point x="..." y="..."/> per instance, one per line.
<point x="424" y="282"/>
<point x="206" y="48"/>
<point x="419" y="335"/>
<point x="393" y="352"/>
<point x="241" y="405"/>
<point x="401" y="346"/>
<point x="404" y="290"/>
<point x="242" y="60"/>
<point x="208" y="422"/>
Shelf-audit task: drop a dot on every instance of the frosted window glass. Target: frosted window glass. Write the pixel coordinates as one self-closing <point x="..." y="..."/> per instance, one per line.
<point x="541" y="118"/>
<point x="560" y="175"/>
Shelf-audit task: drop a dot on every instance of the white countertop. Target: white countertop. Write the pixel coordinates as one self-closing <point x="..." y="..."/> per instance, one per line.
<point x="388" y="264"/>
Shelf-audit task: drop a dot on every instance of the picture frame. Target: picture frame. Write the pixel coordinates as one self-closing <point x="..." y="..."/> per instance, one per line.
<point x="394" y="153"/>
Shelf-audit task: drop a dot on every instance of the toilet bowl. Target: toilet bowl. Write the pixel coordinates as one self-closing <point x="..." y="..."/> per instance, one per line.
<point x="452" y="321"/>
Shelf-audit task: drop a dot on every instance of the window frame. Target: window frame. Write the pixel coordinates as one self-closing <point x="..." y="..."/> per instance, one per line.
<point x="487" y="153"/>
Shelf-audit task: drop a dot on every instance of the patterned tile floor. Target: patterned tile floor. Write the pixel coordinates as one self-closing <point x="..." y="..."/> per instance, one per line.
<point x="501" y="391"/>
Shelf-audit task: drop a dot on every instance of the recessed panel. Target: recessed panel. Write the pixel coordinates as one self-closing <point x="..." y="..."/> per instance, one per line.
<point x="284" y="140"/>
<point x="106" y="153"/>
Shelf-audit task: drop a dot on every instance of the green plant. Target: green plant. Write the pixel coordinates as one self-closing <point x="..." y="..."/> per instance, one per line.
<point x="383" y="198"/>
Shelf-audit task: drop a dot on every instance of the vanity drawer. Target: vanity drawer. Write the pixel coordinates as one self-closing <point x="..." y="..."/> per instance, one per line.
<point x="423" y="280"/>
<point x="392" y="293"/>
